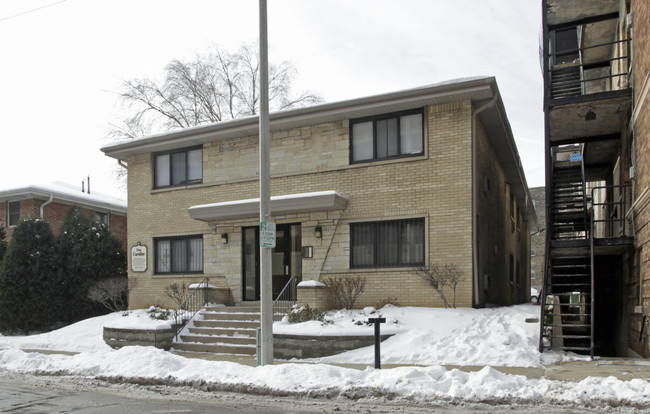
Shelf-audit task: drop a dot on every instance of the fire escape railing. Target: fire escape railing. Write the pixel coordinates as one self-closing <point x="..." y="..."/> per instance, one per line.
<point x="556" y="83"/>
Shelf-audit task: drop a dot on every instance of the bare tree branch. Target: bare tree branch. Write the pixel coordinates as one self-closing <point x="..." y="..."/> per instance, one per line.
<point x="214" y="86"/>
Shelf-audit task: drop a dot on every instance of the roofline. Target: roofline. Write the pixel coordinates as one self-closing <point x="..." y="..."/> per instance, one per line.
<point x="63" y="198"/>
<point x="281" y="119"/>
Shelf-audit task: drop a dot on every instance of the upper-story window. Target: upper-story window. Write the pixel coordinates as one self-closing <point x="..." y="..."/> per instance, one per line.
<point x="13" y="213"/>
<point x="178" y="167"/>
<point x="387" y="136"/>
<point x="101" y="217"/>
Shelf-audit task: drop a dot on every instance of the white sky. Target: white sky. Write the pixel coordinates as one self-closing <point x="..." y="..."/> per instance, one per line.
<point x="63" y="63"/>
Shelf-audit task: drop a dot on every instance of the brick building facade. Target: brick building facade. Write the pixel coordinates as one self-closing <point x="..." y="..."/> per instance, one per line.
<point x="373" y="187"/>
<point x="51" y="202"/>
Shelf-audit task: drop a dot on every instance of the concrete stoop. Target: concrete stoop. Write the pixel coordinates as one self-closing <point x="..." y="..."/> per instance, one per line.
<point x="227" y="330"/>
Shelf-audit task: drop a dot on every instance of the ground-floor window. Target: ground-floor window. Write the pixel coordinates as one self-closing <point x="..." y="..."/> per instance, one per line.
<point x="391" y="243"/>
<point x="182" y="254"/>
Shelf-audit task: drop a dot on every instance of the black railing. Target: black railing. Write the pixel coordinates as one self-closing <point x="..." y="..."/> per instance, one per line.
<point x="285" y="300"/>
<point x="579" y="77"/>
<point x="609" y="206"/>
<point x="194" y="302"/>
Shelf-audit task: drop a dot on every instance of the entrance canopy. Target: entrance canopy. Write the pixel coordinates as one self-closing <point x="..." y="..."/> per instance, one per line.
<point x="280" y="205"/>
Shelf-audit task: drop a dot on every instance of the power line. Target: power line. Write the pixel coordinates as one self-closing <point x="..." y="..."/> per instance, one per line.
<point x="31" y="11"/>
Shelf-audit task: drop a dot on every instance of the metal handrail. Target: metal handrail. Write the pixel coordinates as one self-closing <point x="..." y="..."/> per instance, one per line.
<point x="192" y="304"/>
<point x="609" y="218"/>
<point x="584" y="66"/>
<point x="284" y="301"/>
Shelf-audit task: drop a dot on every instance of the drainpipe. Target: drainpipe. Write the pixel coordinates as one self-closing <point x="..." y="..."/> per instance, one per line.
<point x="122" y="164"/>
<point x="475" y="198"/>
<point x="46" y="203"/>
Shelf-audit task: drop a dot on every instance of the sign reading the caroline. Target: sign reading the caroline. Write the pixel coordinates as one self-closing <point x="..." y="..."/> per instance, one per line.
<point x="139" y="258"/>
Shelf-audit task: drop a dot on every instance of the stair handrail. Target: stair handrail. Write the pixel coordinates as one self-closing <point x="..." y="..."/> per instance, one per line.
<point x="593" y="281"/>
<point x="284" y="301"/>
<point x="584" y="190"/>
<point x="192" y="304"/>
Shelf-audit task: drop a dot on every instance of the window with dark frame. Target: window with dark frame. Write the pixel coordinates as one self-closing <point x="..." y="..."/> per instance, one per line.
<point x="395" y="243"/>
<point x="13" y="213"/>
<point x="178" y="167"/>
<point x="182" y="254"/>
<point x="387" y="136"/>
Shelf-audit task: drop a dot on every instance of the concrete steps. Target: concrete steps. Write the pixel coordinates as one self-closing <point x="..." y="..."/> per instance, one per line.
<point x="229" y="330"/>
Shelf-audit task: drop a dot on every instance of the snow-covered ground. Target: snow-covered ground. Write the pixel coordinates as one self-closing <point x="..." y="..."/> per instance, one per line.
<point x="424" y="340"/>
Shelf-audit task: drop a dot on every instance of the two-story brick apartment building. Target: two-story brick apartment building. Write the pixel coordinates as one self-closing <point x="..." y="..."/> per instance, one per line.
<point x="52" y="201"/>
<point x="373" y="187"/>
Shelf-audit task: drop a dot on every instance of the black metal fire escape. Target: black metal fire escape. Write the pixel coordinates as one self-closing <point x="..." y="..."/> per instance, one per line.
<point x="567" y="320"/>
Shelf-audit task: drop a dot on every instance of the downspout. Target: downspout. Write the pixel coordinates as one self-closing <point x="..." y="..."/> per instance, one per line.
<point x="122" y="164"/>
<point x="46" y="203"/>
<point x="475" y="198"/>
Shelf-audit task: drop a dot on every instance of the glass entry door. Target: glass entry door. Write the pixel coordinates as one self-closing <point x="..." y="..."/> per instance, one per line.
<point x="286" y="260"/>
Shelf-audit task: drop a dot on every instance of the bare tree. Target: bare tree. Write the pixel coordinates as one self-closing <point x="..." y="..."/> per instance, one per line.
<point x="213" y="87"/>
<point x="441" y="276"/>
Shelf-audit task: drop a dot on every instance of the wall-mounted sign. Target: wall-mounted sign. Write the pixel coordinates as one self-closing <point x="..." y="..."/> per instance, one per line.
<point x="267" y="234"/>
<point x="139" y="258"/>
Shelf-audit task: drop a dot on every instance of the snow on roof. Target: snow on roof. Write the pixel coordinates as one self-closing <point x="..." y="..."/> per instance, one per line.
<point x="64" y="193"/>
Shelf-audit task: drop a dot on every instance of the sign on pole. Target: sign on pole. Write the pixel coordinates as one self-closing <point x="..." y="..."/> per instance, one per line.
<point x="267" y="234"/>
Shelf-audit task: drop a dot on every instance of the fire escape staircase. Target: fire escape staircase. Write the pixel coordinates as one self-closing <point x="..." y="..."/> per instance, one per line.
<point x="567" y="294"/>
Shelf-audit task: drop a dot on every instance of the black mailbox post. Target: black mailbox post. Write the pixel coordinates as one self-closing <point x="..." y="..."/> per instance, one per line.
<point x="377" y="322"/>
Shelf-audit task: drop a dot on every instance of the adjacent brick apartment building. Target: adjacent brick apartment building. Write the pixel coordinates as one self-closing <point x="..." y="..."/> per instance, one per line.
<point x="52" y="201"/>
<point x="596" y="104"/>
<point x="373" y="187"/>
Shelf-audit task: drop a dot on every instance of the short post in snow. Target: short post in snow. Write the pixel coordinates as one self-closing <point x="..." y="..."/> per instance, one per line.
<point x="377" y="322"/>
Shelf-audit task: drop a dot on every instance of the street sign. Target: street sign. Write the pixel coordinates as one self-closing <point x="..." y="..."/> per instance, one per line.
<point x="267" y="234"/>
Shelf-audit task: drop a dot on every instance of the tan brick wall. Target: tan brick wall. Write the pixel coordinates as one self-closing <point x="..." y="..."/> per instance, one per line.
<point x="436" y="186"/>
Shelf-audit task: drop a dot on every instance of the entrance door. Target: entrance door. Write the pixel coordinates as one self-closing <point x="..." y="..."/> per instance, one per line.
<point x="286" y="260"/>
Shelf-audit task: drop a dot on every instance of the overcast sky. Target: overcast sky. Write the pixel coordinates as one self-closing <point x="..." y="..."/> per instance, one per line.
<point x="63" y="61"/>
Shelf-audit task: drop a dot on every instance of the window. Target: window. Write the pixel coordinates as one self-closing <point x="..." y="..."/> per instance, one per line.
<point x="179" y="254"/>
<point x="387" y="136"/>
<point x="532" y="250"/>
<point x="179" y="167"/>
<point x="14" y="213"/>
<point x="101" y="217"/>
<point x="387" y="243"/>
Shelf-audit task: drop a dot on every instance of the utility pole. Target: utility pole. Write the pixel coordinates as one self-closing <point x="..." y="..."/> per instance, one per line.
<point x="265" y="198"/>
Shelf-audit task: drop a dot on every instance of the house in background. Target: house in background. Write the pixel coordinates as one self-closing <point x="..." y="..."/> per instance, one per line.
<point x="52" y="201"/>
<point x="373" y="187"/>
<point x="538" y="239"/>
<point x="597" y="78"/>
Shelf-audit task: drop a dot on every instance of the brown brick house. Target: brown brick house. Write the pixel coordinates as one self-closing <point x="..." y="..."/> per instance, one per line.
<point x="372" y="187"/>
<point x="52" y="201"/>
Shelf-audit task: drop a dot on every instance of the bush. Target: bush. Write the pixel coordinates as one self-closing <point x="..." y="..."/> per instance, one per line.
<point x="177" y="292"/>
<point x="387" y="301"/>
<point x="112" y="293"/>
<point x="3" y="243"/>
<point x="30" y="292"/>
<point x="88" y="253"/>
<point x="305" y="313"/>
<point x="346" y="290"/>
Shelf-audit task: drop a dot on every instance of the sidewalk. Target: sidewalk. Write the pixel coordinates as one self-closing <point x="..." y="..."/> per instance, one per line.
<point x="622" y="368"/>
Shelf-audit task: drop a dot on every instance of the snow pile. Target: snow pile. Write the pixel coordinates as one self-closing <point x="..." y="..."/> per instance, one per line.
<point x="430" y="336"/>
<point x="424" y="337"/>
